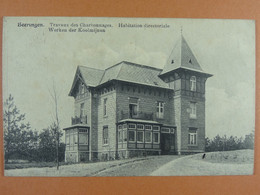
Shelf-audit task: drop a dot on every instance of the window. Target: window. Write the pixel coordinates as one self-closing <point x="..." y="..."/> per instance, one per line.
<point x="71" y="139"/>
<point x="192" y="139"/>
<point x="105" y="107"/>
<point x="75" y="135"/>
<point x="124" y="136"/>
<point x="193" y="83"/>
<point x="193" y="110"/>
<point x="68" y="139"/>
<point x="81" y="110"/>
<point x="156" y="128"/>
<point x="156" y="138"/>
<point x="165" y="130"/>
<point x="160" y="109"/>
<point x="140" y="136"/>
<point x="120" y="133"/>
<point x="148" y="137"/>
<point x="140" y="127"/>
<point x="83" y="138"/>
<point x="120" y="136"/>
<point x="148" y="127"/>
<point x="131" y="136"/>
<point x="132" y="126"/>
<point x="133" y="107"/>
<point x="105" y="135"/>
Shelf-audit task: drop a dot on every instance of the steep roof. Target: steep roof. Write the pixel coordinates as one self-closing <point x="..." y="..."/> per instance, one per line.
<point x="134" y="73"/>
<point x="181" y="57"/>
<point x="91" y="76"/>
<point x="123" y="71"/>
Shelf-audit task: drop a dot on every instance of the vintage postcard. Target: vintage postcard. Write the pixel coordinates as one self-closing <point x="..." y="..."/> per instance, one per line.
<point x="128" y="96"/>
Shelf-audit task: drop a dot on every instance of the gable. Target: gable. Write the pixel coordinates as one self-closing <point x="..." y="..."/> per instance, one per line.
<point x="89" y="76"/>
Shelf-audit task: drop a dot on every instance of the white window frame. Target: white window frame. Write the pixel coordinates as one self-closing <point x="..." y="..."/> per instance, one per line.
<point x="158" y="137"/>
<point x="131" y="127"/>
<point x="160" y="109"/>
<point x="75" y="138"/>
<point x="120" y="134"/>
<point x="151" y="136"/>
<point x="134" y="136"/>
<point x="193" y="83"/>
<point x="105" y="140"/>
<point x="165" y="130"/>
<point x="83" y="133"/>
<point x="124" y="135"/>
<point x="148" y="129"/>
<point x="193" y="138"/>
<point x="135" y="104"/>
<point x="67" y="139"/>
<point x="137" y="136"/>
<point x="157" y="126"/>
<point x="193" y="110"/>
<point x="140" y="128"/>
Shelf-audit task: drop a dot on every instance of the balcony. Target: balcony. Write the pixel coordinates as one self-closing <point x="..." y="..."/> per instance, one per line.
<point x="139" y="115"/>
<point x="79" y="120"/>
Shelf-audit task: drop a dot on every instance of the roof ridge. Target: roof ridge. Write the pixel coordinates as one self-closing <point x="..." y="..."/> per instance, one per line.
<point x="142" y="65"/>
<point x="114" y="65"/>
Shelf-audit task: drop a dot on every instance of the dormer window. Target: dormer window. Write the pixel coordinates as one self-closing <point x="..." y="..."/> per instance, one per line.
<point x="193" y="83"/>
<point x="172" y="61"/>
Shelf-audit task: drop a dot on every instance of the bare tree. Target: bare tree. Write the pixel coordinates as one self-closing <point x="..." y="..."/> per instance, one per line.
<point x="56" y="125"/>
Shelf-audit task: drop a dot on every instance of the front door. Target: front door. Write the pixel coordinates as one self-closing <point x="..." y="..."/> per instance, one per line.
<point x="167" y="143"/>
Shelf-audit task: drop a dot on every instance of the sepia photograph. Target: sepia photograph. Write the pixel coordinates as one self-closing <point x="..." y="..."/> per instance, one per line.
<point x="95" y="97"/>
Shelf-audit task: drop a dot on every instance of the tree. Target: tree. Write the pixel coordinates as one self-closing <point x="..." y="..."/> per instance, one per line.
<point x="56" y="124"/>
<point x="47" y="145"/>
<point x="19" y="139"/>
<point x="249" y="141"/>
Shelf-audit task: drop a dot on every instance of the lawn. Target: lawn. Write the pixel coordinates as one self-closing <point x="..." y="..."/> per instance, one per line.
<point x="18" y="164"/>
<point x="230" y="157"/>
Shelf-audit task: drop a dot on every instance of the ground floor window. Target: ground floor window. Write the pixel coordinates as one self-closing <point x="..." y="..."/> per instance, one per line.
<point x="124" y="135"/>
<point x="148" y="137"/>
<point x="192" y="139"/>
<point x="131" y="136"/>
<point x="105" y="135"/>
<point x="83" y="138"/>
<point x="140" y="136"/>
<point x="156" y="138"/>
<point x="120" y="135"/>
<point x="67" y="139"/>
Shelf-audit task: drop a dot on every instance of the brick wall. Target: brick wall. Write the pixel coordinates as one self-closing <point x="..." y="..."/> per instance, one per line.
<point x="148" y="98"/>
<point x="109" y="121"/>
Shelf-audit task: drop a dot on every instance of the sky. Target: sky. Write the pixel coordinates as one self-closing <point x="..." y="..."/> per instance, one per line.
<point x="35" y="59"/>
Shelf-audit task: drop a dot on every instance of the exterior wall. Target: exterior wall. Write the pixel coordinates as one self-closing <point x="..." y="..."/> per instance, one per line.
<point x="107" y="150"/>
<point x="178" y="122"/>
<point x="94" y="127"/>
<point x="182" y="99"/>
<point x="148" y="98"/>
<point x="198" y="123"/>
